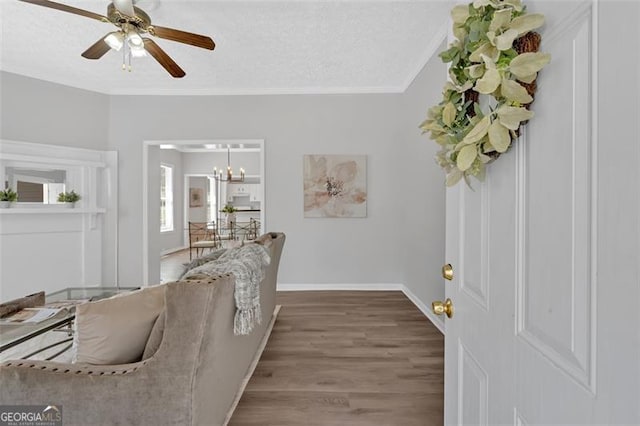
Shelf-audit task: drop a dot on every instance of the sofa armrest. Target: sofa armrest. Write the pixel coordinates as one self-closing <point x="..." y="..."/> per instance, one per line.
<point x="133" y="393"/>
<point x="18" y="366"/>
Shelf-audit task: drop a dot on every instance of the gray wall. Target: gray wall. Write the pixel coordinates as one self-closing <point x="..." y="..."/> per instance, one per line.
<point x="400" y="241"/>
<point x="41" y="112"/>
<point x="318" y="250"/>
<point x="423" y="224"/>
<point x="37" y="111"/>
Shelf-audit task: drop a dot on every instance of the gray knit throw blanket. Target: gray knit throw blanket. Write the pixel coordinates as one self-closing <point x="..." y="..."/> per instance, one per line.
<point x="247" y="263"/>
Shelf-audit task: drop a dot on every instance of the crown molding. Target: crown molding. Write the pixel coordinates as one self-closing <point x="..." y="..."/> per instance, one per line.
<point x="259" y="91"/>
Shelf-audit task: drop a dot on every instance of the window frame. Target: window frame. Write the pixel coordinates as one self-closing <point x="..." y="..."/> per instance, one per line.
<point x="168" y="198"/>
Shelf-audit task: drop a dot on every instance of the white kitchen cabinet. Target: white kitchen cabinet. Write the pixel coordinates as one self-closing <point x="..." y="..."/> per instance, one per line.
<point x="238" y="189"/>
<point x="242" y="189"/>
<point x="254" y="192"/>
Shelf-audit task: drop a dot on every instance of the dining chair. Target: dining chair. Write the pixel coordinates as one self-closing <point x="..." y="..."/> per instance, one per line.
<point x="202" y="235"/>
<point x="252" y="233"/>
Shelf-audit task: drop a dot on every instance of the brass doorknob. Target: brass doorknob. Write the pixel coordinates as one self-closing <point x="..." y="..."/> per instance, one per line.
<point x="447" y="272"/>
<point x="440" y="308"/>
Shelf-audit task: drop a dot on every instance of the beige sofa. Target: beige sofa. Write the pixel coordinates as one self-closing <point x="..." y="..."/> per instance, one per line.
<point x="192" y="379"/>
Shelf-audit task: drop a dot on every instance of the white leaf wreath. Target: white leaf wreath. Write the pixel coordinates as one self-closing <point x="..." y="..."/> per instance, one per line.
<point x="496" y="54"/>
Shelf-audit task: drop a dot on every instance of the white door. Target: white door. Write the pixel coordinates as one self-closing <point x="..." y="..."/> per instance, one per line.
<point x="545" y="253"/>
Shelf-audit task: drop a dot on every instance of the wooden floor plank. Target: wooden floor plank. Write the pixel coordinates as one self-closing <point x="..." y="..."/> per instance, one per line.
<point x="347" y="358"/>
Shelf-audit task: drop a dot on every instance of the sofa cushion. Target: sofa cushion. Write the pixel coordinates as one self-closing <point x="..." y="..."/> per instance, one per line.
<point x="116" y="330"/>
<point x="155" y="338"/>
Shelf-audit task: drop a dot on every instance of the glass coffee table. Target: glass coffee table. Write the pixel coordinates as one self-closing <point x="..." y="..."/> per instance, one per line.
<point x="14" y="334"/>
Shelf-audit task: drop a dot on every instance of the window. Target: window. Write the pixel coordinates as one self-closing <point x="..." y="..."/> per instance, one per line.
<point x="211" y="200"/>
<point x="166" y="198"/>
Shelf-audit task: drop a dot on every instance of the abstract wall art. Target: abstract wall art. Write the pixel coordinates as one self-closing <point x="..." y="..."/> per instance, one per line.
<point x="335" y="185"/>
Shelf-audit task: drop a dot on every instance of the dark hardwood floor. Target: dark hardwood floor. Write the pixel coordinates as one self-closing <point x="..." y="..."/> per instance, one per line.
<point x="347" y="358"/>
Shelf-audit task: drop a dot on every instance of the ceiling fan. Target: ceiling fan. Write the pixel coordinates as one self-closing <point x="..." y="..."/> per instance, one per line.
<point x="132" y="23"/>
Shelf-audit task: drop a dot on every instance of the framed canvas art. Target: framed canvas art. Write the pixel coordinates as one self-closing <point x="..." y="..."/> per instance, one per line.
<point x="335" y="185"/>
<point x="195" y="197"/>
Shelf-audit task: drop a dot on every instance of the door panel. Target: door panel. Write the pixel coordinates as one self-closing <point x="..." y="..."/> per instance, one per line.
<point x="475" y="232"/>
<point x="474" y="403"/>
<point x="555" y="221"/>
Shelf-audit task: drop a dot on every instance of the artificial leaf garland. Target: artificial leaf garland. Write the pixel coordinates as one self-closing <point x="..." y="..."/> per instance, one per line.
<point x="495" y="53"/>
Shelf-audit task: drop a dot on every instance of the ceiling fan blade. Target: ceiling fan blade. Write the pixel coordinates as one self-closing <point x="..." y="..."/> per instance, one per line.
<point x="70" y="9"/>
<point x="125" y="7"/>
<point x="182" y="37"/>
<point x="97" y="50"/>
<point x="163" y="59"/>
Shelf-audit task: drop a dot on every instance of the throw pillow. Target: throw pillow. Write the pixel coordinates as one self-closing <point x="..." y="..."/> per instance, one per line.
<point x="155" y="338"/>
<point x="266" y="240"/>
<point x="116" y="330"/>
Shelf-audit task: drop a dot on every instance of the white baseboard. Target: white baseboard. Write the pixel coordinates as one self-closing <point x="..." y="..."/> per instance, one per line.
<point x="437" y="322"/>
<point x="173" y="250"/>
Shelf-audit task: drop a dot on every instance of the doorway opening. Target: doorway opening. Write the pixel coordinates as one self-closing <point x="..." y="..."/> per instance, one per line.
<point x="199" y="195"/>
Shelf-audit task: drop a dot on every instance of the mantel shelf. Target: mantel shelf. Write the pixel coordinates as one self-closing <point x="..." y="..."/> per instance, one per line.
<point x="44" y="210"/>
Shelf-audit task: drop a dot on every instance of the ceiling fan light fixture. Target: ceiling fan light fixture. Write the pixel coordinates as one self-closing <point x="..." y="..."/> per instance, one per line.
<point x="138" y="52"/>
<point x="134" y="40"/>
<point x="115" y="40"/>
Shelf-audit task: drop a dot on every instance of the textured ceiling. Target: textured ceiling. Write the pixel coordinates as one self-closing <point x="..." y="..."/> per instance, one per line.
<point x="262" y="47"/>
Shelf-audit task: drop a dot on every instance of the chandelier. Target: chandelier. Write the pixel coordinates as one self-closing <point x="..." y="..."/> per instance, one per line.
<point x="229" y="175"/>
